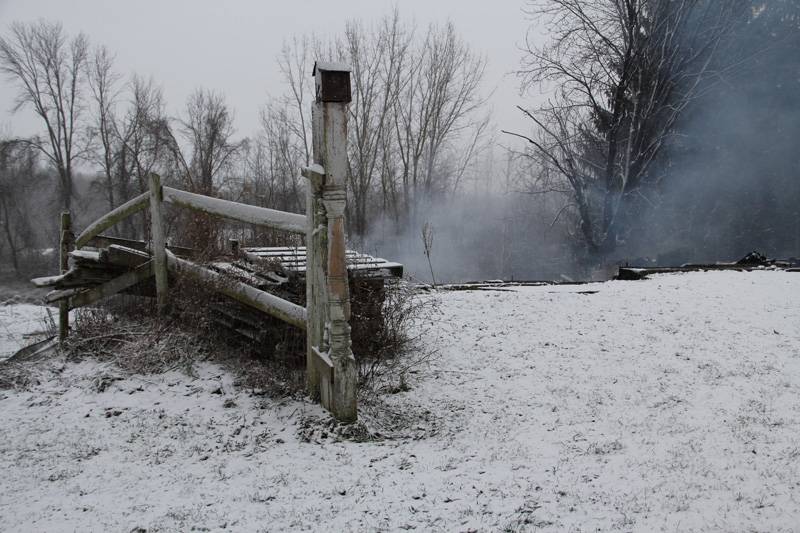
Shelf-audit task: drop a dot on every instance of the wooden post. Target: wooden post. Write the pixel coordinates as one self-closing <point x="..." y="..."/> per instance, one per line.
<point x="65" y="245"/>
<point x="316" y="257"/>
<point x="158" y="241"/>
<point x="330" y="124"/>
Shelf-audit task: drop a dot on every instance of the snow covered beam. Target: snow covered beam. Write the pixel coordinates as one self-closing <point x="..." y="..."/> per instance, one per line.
<point x="246" y="294"/>
<point x="112" y="217"/>
<point x="250" y="214"/>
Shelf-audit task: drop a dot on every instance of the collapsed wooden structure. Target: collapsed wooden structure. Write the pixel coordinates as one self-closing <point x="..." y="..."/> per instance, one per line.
<point x="94" y="267"/>
<point x="750" y="262"/>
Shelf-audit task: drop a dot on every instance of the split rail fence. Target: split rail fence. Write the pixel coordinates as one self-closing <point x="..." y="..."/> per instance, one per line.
<point x="330" y="364"/>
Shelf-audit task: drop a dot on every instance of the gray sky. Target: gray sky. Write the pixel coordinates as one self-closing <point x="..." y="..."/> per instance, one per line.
<point x="231" y="46"/>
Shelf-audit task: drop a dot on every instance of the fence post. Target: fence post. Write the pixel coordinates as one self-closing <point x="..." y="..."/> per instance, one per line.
<point x="65" y="245"/>
<point x="316" y="259"/>
<point x="158" y="240"/>
<point x="332" y="82"/>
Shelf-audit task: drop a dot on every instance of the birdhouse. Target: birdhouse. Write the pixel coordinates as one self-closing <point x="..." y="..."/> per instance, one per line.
<point x="332" y="81"/>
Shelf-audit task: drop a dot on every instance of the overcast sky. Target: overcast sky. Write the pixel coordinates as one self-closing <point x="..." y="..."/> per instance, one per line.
<point x="231" y="46"/>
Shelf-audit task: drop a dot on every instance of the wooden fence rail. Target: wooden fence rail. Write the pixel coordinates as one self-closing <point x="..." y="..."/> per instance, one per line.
<point x="250" y="214"/>
<point x="134" y="205"/>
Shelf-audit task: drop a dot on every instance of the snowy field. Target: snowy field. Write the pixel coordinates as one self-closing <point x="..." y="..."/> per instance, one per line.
<point x="23" y="324"/>
<point x="671" y="404"/>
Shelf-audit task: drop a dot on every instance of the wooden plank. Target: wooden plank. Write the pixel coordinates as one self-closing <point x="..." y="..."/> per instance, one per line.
<point x="255" y="298"/>
<point x="251" y="214"/>
<point x="86" y="255"/>
<point x="110" y="288"/>
<point x="124" y="256"/>
<point x="65" y="244"/>
<point x="130" y="207"/>
<point x="323" y="369"/>
<point x="104" y="241"/>
<point x="158" y="236"/>
<point x="54" y="296"/>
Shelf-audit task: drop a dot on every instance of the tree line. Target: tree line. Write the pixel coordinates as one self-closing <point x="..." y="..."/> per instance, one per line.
<point x="620" y="141"/>
<point x="668" y="136"/>
<point x="416" y="121"/>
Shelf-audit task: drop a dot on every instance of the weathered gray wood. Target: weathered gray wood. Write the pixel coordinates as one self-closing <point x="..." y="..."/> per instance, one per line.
<point x="110" y="288"/>
<point x="255" y="298"/>
<point x="130" y="207"/>
<point x="323" y="368"/>
<point x="104" y="241"/>
<point x="331" y="120"/>
<point x="250" y="214"/>
<point x="159" y="248"/>
<point x="124" y="256"/>
<point x="316" y="251"/>
<point x="54" y="296"/>
<point x="65" y="246"/>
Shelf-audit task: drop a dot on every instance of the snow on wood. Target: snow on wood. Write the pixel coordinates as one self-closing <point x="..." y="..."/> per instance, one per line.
<point x="48" y="281"/>
<point x="87" y="255"/>
<point x="332" y="66"/>
<point x="112" y="217"/>
<point x="294" y="260"/>
<point x="54" y="296"/>
<point x="250" y="214"/>
<point x="258" y="299"/>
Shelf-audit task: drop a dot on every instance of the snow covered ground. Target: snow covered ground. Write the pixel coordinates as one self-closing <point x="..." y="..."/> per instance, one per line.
<point x="23" y="324"/>
<point x="671" y="404"/>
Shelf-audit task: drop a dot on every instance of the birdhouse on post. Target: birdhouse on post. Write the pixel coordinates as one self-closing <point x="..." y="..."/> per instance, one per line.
<point x="332" y="372"/>
<point x="332" y="81"/>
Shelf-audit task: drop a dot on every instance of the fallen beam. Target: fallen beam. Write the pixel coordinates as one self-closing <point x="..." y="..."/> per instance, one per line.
<point x="105" y="241"/>
<point x="250" y="214"/>
<point x="130" y="207"/>
<point x="110" y="288"/>
<point x="241" y="292"/>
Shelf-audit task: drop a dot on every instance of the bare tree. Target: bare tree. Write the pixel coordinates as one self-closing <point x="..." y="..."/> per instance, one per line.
<point x="208" y="129"/>
<point x="17" y="181"/>
<point x="624" y="72"/>
<point x="103" y="83"/>
<point x="413" y="119"/>
<point x="294" y="64"/>
<point x="377" y="57"/>
<point x="439" y="93"/>
<point x="281" y="154"/>
<point x="49" y="72"/>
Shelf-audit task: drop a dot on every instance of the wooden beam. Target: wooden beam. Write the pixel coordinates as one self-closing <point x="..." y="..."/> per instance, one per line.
<point x="110" y="288"/>
<point x="159" y="250"/>
<point x="65" y="246"/>
<point x="124" y="256"/>
<point x="323" y="368"/>
<point x="251" y="214"/>
<point x="255" y="298"/>
<point x="316" y="254"/>
<point x="130" y="207"/>
<point x="104" y="241"/>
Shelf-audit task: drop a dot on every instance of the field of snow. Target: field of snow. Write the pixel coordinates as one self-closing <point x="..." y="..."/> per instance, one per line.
<point x="671" y="404"/>
<point x="23" y="324"/>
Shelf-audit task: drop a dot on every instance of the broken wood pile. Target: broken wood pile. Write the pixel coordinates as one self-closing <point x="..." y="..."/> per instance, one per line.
<point x="282" y="271"/>
<point x="751" y="261"/>
<point x="109" y="265"/>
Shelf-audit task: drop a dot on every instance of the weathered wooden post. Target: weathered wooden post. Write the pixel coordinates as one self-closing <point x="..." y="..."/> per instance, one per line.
<point x="316" y="263"/>
<point x="67" y="238"/>
<point x="331" y="366"/>
<point x="158" y="240"/>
